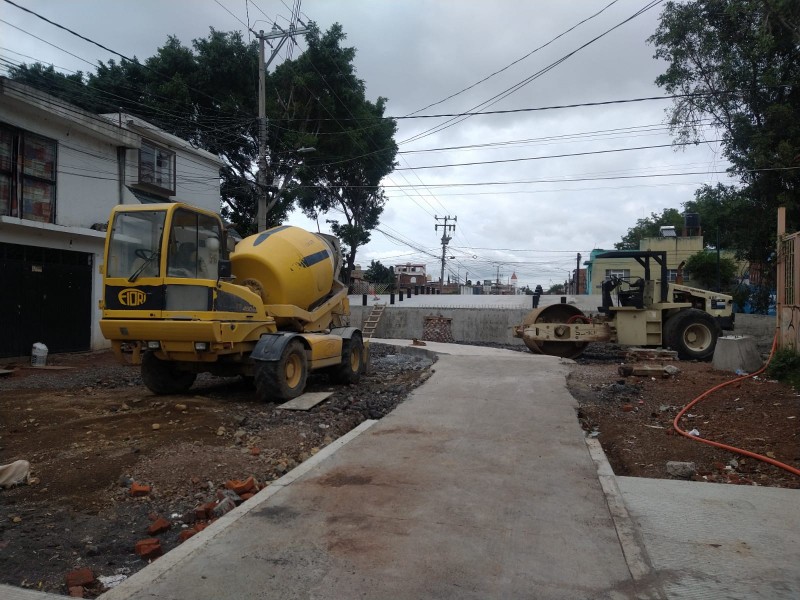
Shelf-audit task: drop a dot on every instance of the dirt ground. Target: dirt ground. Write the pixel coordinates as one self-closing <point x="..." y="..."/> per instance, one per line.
<point x="632" y="417"/>
<point x="91" y="430"/>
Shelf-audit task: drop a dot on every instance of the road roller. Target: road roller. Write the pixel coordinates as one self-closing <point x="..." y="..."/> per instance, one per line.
<point x="640" y="311"/>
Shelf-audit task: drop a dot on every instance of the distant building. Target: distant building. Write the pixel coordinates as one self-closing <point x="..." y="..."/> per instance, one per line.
<point x="410" y="275"/>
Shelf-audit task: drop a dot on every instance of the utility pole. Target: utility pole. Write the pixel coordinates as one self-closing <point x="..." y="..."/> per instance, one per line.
<point x="445" y="240"/>
<point x="261" y="176"/>
<point x="578" y="275"/>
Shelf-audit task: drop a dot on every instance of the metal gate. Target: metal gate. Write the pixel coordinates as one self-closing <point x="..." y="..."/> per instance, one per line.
<point x="45" y="296"/>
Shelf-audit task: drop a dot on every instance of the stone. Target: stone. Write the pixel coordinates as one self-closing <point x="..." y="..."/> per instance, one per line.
<point x="627" y="407"/>
<point x="682" y="470"/>
<point x="181" y="407"/>
<point x="671" y="370"/>
<point x="156" y="426"/>
<point x="225" y="506"/>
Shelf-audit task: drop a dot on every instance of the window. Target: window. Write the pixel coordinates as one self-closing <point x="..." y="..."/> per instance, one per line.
<point x="156" y="167"/>
<point x="672" y="275"/>
<point x="621" y="273"/>
<point x="27" y="175"/>
<point x="134" y="250"/>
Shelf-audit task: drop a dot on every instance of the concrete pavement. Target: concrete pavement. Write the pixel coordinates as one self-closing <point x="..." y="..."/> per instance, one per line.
<point x="479" y="485"/>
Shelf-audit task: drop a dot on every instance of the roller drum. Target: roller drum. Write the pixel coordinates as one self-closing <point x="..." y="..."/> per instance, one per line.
<point x="554" y="313"/>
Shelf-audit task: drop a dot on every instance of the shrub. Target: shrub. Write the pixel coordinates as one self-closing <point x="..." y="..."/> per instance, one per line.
<point x="785" y="367"/>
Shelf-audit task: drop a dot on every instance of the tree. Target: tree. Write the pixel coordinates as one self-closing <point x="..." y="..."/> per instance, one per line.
<point x="321" y="101"/>
<point x="737" y="63"/>
<point x="378" y="273"/>
<point x="702" y="267"/>
<point x="556" y="289"/>
<point x="649" y="227"/>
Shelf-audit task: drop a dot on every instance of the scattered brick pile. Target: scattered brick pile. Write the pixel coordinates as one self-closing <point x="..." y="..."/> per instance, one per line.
<point x="82" y="581"/>
<point x="438" y="329"/>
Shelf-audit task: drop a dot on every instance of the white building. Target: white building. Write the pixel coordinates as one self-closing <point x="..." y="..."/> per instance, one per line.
<point x="62" y="170"/>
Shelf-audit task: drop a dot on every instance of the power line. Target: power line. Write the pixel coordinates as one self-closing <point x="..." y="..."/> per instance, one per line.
<point x="508" y="66"/>
<point x="527" y="158"/>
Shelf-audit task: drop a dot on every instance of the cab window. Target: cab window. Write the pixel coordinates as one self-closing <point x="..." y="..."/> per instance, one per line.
<point x="194" y="246"/>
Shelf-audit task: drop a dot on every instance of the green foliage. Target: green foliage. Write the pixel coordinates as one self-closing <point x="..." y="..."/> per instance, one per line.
<point x="556" y="289"/>
<point x="737" y="63"/>
<point x="785" y="367"/>
<point x="321" y="102"/>
<point x="649" y="227"/>
<point x="702" y="267"/>
<point x="378" y="273"/>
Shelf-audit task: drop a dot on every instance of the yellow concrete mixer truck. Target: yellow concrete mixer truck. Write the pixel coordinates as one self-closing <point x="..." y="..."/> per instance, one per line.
<point x="179" y="299"/>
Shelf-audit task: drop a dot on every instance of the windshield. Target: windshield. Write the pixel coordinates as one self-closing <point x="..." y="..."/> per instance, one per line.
<point x="135" y="246"/>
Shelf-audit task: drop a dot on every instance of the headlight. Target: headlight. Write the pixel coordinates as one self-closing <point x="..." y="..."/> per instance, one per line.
<point x="201" y="346"/>
<point x="153" y="345"/>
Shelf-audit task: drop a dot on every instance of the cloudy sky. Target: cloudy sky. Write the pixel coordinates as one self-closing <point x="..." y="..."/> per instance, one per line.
<point x="528" y="208"/>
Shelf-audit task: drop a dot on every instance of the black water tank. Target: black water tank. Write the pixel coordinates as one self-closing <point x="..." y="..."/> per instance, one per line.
<point x="691" y="220"/>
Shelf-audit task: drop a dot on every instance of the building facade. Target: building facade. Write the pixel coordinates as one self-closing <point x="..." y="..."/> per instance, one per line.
<point x="62" y="170"/>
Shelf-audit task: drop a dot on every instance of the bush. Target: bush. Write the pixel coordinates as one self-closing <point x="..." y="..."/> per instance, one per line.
<point x="785" y="367"/>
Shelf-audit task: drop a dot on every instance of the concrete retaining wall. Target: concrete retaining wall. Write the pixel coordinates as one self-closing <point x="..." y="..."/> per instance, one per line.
<point x="495" y="324"/>
<point x="469" y="324"/>
<point x="761" y="327"/>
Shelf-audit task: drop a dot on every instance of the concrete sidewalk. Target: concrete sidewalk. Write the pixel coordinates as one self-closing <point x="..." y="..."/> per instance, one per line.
<point x="480" y="485"/>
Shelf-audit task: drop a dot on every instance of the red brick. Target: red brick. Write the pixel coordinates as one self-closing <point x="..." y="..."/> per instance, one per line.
<point x="627" y="407"/>
<point x="204" y="511"/>
<point x="186" y="534"/>
<point x="139" y="489"/>
<point x="76" y="591"/>
<point x="255" y="451"/>
<point x="241" y="487"/>
<point x="719" y="466"/>
<point x="200" y="526"/>
<point x="148" y="548"/>
<point x="158" y="526"/>
<point x="247" y="496"/>
<point x="80" y="577"/>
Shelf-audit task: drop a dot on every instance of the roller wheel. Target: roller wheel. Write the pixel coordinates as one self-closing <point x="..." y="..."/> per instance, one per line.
<point x="283" y="379"/>
<point x="352" y="361"/>
<point x="161" y="377"/>
<point x="555" y="313"/>
<point x="693" y="334"/>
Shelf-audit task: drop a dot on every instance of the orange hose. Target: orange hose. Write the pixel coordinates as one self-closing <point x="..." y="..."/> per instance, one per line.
<point x="747" y="453"/>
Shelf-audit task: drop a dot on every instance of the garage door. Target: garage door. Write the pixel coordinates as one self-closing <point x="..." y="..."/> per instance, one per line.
<point x="45" y="296"/>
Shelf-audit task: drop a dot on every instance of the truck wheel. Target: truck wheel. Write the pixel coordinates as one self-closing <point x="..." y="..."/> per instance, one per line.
<point x="352" y="361"/>
<point x="693" y="333"/>
<point x="283" y="379"/>
<point x="161" y="377"/>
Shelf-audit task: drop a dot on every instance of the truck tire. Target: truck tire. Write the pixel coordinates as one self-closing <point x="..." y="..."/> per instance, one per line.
<point x="352" y="361"/>
<point x="285" y="378"/>
<point x="161" y="377"/>
<point x="693" y="334"/>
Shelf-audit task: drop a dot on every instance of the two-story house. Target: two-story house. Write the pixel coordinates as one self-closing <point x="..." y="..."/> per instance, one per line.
<point x="62" y="170"/>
